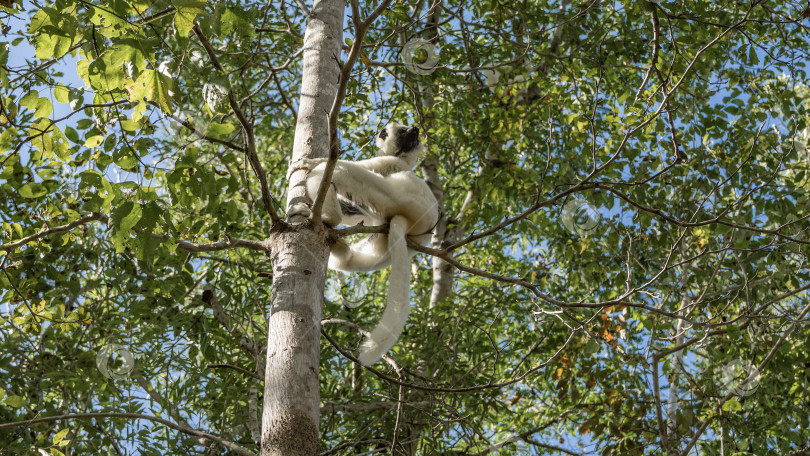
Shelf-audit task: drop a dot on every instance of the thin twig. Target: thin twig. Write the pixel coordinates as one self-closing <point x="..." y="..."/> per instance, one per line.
<point x="237" y="369"/>
<point x="360" y="27"/>
<point x="656" y="47"/>
<point x="57" y="229"/>
<point x="140" y="416"/>
<point x="759" y="369"/>
<point x="247" y="128"/>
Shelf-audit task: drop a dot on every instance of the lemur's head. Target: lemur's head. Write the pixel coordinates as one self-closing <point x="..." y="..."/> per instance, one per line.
<point x="400" y="141"/>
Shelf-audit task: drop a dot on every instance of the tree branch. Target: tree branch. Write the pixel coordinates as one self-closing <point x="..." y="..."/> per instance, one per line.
<point x="360" y="32"/>
<point x="247" y="129"/>
<point x="140" y="416"/>
<point x="57" y="229"/>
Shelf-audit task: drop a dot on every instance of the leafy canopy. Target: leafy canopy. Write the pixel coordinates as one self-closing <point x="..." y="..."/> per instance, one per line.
<point x="635" y="175"/>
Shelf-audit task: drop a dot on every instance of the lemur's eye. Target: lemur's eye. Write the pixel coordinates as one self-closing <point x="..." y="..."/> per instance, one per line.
<point x="384" y="133"/>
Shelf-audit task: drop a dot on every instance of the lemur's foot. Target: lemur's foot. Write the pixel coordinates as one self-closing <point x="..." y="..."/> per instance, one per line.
<point x="299" y="209"/>
<point x="340" y="249"/>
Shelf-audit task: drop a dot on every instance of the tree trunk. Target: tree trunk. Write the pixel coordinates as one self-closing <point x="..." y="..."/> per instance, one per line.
<point x="291" y="391"/>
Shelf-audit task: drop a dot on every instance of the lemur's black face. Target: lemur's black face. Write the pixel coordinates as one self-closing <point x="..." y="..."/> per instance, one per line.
<point x="407" y="139"/>
<point x="404" y="139"/>
<point x="400" y="141"/>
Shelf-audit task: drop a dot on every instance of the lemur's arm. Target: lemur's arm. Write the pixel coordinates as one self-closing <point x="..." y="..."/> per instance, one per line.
<point x="383" y="166"/>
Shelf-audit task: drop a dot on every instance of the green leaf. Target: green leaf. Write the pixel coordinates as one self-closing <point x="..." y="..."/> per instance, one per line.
<point x="219" y="130"/>
<point x="4" y="47"/>
<point x="94" y="141"/>
<point x="55" y="40"/>
<point x="45" y="16"/>
<point x="15" y="401"/>
<point x="49" y="140"/>
<point x="106" y="73"/>
<point x="151" y="214"/>
<point x="732" y="405"/>
<point x="7" y="138"/>
<point x="144" y="247"/>
<point x="753" y="58"/>
<point x="126" y="159"/>
<point x="187" y="11"/>
<point x="61" y="93"/>
<point x="41" y="106"/>
<point x="33" y="190"/>
<point x="108" y="22"/>
<point x="59" y="436"/>
<point x="152" y="86"/>
<point x="131" y="51"/>
<point x="124" y="217"/>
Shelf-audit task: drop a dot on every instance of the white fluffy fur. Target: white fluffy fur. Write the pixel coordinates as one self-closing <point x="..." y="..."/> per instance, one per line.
<point x="386" y="188"/>
<point x="395" y="315"/>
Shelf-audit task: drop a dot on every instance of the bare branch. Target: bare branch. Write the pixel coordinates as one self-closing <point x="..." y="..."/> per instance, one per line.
<point x="237" y="369"/>
<point x="247" y="128"/>
<point x="139" y="416"/>
<point x="656" y="46"/>
<point x="57" y="229"/>
<point x="369" y="406"/>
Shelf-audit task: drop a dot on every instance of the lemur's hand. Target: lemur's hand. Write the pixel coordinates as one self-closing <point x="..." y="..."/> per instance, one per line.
<point x="306" y="164"/>
<point x="340" y="249"/>
<point x="311" y="163"/>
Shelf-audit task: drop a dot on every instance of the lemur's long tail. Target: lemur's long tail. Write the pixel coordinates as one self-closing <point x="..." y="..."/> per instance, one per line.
<point x="395" y="315"/>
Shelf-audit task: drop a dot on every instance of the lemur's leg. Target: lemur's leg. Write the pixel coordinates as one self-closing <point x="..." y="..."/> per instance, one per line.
<point x="370" y="254"/>
<point x="367" y="188"/>
<point x="331" y="213"/>
<point x="379" y="165"/>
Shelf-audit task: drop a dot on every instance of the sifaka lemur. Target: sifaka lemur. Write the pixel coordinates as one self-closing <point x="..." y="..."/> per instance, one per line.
<point x="375" y="191"/>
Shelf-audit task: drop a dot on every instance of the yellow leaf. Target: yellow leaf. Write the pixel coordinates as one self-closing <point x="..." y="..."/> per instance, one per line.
<point x="557" y="374"/>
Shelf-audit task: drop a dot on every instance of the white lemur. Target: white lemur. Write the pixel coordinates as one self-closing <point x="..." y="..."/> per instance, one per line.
<point x="373" y="191"/>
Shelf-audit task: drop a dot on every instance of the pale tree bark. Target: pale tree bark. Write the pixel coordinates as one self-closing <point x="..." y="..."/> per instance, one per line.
<point x="299" y="252"/>
<point x="671" y="446"/>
